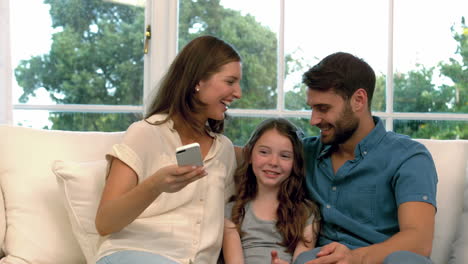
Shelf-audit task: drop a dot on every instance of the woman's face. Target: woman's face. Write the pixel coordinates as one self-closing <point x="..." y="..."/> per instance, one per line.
<point x="220" y="90"/>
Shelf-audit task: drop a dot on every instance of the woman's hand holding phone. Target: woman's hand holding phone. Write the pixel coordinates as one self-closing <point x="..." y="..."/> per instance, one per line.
<point x="190" y="168"/>
<point x="173" y="178"/>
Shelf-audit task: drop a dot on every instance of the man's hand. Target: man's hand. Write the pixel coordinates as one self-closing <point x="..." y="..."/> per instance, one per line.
<point x="275" y="259"/>
<point x="335" y="253"/>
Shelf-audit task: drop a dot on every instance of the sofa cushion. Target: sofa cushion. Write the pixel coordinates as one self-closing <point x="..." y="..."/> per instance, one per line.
<point x="460" y="247"/>
<point x="450" y="158"/>
<point x="2" y="222"/>
<point x="81" y="185"/>
<point x="38" y="230"/>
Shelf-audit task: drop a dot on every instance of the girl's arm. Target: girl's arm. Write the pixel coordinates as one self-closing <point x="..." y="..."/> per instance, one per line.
<point x="309" y="235"/>
<point x="232" y="245"/>
<point x="275" y="259"/>
<point x="123" y="199"/>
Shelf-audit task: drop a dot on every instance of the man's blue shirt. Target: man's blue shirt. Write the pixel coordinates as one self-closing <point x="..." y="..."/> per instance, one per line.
<point x="359" y="204"/>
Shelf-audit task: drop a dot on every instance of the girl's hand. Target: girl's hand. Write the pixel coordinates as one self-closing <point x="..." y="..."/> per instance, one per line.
<point x="173" y="178"/>
<point x="275" y="259"/>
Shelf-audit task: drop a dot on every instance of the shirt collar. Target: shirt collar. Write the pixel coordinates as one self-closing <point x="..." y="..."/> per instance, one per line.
<point x="366" y="144"/>
<point x="372" y="139"/>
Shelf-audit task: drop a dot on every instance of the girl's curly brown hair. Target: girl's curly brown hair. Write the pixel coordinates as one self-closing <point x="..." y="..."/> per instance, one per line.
<point x="293" y="209"/>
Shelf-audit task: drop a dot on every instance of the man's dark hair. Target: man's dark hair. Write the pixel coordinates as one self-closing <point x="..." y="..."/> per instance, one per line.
<point x="342" y="72"/>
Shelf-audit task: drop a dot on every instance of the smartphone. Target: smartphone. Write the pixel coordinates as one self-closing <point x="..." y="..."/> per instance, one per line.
<point x="189" y="155"/>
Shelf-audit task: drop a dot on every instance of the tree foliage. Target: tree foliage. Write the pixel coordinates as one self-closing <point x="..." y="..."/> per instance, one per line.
<point x="415" y="91"/>
<point x="256" y="44"/>
<point x="96" y="58"/>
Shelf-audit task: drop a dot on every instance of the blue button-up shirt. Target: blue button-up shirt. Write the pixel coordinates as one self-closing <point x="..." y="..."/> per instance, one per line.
<point x="359" y="204"/>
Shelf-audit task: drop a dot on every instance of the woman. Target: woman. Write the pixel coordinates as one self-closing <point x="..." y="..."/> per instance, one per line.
<point x="151" y="210"/>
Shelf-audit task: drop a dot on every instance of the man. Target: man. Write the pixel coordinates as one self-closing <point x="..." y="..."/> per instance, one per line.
<point x="376" y="189"/>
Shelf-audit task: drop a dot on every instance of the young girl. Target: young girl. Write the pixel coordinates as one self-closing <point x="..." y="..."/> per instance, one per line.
<point x="151" y="210"/>
<point x="269" y="218"/>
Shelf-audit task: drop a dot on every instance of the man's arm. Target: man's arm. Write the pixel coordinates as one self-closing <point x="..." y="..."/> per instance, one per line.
<point x="416" y="221"/>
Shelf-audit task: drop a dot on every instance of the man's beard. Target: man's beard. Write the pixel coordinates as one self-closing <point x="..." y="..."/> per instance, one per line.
<point x="344" y="127"/>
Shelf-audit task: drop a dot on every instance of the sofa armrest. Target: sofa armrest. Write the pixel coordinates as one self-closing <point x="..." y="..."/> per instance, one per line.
<point x="460" y="246"/>
<point x="450" y="157"/>
<point x="2" y="222"/>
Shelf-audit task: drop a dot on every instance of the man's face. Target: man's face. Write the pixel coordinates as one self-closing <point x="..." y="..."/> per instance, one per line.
<point x="333" y="115"/>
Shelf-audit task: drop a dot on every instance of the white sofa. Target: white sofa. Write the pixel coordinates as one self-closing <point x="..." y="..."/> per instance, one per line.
<point x="48" y="206"/>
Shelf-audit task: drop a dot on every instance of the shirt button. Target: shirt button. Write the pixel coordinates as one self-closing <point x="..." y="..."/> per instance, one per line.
<point x="328" y="206"/>
<point x="424" y="197"/>
<point x="198" y="221"/>
<point x="334" y="188"/>
<point x="365" y="152"/>
<point x="201" y="199"/>
<point x="195" y="242"/>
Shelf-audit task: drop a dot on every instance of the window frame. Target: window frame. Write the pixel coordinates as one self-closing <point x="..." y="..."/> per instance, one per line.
<point x="6" y="115"/>
<point x="150" y="76"/>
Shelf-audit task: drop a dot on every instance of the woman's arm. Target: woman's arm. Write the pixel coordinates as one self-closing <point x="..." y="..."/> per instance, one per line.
<point x="310" y="235"/>
<point x="123" y="199"/>
<point x="232" y="245"/>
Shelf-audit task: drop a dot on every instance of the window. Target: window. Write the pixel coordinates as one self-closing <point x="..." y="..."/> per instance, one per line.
<point x="421" y="89"/>
<point x="84" y="71"/>
<point x="279" y="40"/>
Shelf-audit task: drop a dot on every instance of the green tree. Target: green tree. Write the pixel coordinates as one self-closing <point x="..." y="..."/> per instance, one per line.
<point x="256" y="43"/>
<point x="378" y="99"/>
<point x="457" y="70"/>
<point x="95" y="58"/>
<point x="296" y="65"/>
<point x="416" y="92"/>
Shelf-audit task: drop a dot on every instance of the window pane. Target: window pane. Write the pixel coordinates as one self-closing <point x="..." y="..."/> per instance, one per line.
<point x="239" y="129"/>
<point x="434" y="129"/>
<point x="251" y="29"/>
<point x="75" y="121"/>
<point x="315" y="29"/>
<point x="304" y="124"/>
<point x="429" y="67"/>
<point x="89" y="52"/>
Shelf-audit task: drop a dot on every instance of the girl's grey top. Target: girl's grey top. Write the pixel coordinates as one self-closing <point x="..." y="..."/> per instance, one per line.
<point x="260" y="237"/>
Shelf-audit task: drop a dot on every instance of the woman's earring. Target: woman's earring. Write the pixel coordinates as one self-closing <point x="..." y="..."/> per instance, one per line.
<point x="197" y="89"/>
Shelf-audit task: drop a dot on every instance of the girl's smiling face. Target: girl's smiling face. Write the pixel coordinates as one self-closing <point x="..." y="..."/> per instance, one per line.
<point x="272" y="159"/>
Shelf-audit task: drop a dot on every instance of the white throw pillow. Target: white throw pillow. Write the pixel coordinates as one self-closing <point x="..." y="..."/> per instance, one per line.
<point x="38" y="228"/>
<point x="81" y="185"/>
